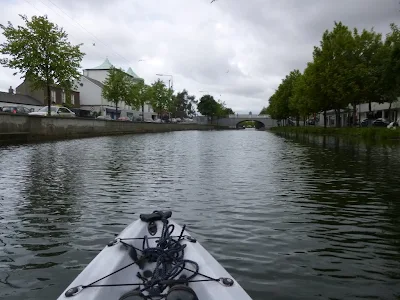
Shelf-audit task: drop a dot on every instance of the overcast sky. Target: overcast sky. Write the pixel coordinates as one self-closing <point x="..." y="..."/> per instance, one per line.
<point x="237" y="50"/>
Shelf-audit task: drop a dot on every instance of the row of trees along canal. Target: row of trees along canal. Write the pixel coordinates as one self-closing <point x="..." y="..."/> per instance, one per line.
<point x="41" y="53"/>
<point x="348" y="68"/>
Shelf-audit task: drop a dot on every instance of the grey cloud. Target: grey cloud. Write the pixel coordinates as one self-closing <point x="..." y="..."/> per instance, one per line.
<point x="258" y="41"/>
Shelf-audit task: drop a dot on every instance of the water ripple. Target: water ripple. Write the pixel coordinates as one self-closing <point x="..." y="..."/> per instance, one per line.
<point x="290" y="218"/>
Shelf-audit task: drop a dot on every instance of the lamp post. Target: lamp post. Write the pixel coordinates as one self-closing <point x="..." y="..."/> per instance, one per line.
<point x="169" y="86"/>
<point x="169" y="82"/>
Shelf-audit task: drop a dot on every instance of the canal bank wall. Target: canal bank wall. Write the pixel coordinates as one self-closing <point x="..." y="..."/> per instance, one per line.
<point x="381" y="134"/>
<point x="24" y="128"/>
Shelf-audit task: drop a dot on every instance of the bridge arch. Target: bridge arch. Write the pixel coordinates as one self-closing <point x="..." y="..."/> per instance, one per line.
<point x="258" y="124"/>
<point x="232" y="121"/>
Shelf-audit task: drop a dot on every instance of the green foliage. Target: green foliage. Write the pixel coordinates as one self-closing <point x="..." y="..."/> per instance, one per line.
<point x="279" y="107"/>
<point x="348" y="68"/>
<point x="211" y="108"/>
<point x="41" y="52"/>
<point x="117" y="86"/>
<point x="223" y="111"/>
<point x="183" y="105"/>
<point x="138" y="95"/>
<point x="390" y="80"/>
<point x="161" y="97"/>
<point x="228" y="111"/>
<point x="208" y="106"/>
<point x="264" y="111"/>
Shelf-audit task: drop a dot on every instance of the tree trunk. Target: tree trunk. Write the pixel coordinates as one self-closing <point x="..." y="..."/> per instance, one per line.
<point x="48" y="100"/>
<point x="337" y="113"/>
<point x="325" y="120"/>
<point x="390" y="108"/>
<point x="354" y="113"/>
<point x="369" y="106"/>
<point x="116" y="109"/>
<point x="142" y="112"/>
<point x="297" y="121"/>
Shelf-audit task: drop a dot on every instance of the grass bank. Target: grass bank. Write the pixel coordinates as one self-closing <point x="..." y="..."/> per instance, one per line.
<point x="372" y="133"/>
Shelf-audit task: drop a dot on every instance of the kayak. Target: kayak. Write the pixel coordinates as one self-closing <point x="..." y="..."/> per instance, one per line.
<point x="154" y="258"/>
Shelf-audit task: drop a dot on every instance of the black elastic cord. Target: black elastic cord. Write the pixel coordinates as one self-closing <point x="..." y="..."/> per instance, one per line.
<point x="127" y="266"/>
<point x="168" y="254"/>
<point x="152" y="237"/>
<point x="129" y="245"/>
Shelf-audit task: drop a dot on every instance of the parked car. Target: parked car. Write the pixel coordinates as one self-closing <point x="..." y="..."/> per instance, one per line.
<point x="380" y="123"/>
<point x="16" y="110"/>
<point x="106" y="117"/>
<point x="124" y="119"/>
<point x="393" y="125"/>
<point x="364" y="123"/>
<point x="310" y="122"/>
<point x="59" y="111"/>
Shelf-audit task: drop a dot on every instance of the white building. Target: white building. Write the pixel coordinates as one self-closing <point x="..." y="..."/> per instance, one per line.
<point x="379" y="110"/>
<point x="90" y="88"/>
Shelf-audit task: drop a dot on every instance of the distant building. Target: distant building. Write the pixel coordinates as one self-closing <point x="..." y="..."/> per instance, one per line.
<point x="10" y="98"/>
<point x="57" y="94"/>
<point x="90" y="87"/>
<point x="379" y="110"/>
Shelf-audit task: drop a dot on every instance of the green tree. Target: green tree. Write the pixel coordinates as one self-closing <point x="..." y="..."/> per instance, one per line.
<point x="304" y="99"/>
<point x="222" y="110"/>
<point x="139" y="94"/>
<point x="272" y="109"/>
<point x="366" y="69"/>
<point x="161" y="97"/>
<point x="348" y="68"/>
<point x="263" y="111"/>
<point x="335" y="57"/>
<point x="228" y="111"/>
<point x="208" y="106"/>
<point x="279" y="107"/>
<point x="390" y="76"/>
<point x="41" y="52"/>
<point x="183" y="105"/>
<point x="116" y="87"/>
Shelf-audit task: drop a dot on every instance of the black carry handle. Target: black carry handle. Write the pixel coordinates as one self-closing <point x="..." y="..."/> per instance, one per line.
<point x="155" y="216"/>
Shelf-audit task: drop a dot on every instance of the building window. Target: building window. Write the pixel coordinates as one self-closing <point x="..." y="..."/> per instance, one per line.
<point x="53" y="96"/>
<point x="72" y="99"/>
<point x="63" y="97"/>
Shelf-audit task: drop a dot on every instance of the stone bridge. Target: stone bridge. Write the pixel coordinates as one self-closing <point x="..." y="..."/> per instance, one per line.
<point x="233" y="121"/>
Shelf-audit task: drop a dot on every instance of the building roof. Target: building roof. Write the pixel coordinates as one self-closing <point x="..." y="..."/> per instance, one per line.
<point x="19" y="99"/>
<point x="130" y="72"/>
<point x="96" y="82"/>
<point x="106" y="65"/>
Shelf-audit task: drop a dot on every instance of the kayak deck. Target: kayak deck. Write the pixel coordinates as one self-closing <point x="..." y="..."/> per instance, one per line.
<point x="150" y="256"/>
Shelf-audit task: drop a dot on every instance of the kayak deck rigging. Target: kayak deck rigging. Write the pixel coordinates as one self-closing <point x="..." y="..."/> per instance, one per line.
<point x="170" y="268"/>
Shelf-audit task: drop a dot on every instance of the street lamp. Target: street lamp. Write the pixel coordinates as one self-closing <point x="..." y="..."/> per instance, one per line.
<point x="169" y="82"/>
<point x="169" y="86"/>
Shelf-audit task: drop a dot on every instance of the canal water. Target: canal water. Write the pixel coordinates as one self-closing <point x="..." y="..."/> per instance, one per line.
<point x="289" y="218"/>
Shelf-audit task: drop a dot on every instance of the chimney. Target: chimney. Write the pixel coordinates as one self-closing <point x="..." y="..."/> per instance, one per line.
<point x="10" y="90"/>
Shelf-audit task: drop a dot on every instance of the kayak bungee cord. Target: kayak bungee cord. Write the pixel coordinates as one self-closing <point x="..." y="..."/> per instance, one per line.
<point x="168" y="255"/>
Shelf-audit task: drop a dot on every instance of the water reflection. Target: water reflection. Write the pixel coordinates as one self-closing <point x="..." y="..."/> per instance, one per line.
<point x="356" y="215"/>
<point x="301" y="217"/>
